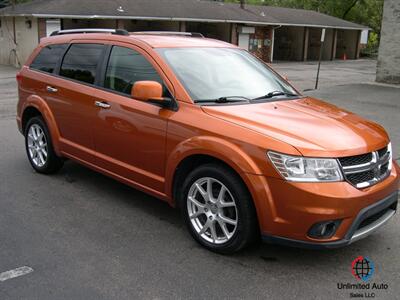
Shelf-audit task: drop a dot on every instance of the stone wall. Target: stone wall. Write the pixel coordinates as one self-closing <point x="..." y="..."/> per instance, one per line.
<point x="388" y="69"/>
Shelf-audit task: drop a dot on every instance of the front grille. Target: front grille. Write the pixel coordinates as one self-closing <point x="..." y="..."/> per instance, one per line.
<point x="382" y="151"/>
<point x="355" y="160"/>
<point x="384" y="168"/>
<point x="357" y="178"/>
<point x="366" y="169"/>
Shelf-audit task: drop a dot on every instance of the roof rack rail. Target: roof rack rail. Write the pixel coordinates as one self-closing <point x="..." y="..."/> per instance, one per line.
<point x="176" y="33"/>
<point x="90" y="30"/>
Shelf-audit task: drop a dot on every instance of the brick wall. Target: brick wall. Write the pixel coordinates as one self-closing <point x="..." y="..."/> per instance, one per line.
<point x="41" y="28"/>
<point x="261" y="43"/>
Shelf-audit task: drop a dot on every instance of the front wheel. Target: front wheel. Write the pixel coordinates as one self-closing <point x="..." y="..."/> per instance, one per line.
<point x="218" y="209"/>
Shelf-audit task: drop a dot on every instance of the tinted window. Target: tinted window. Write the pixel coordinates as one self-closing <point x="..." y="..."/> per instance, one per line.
<point x="125" y="67"/>
<point x="48" y="57"/>
<point x="80" y="62"/>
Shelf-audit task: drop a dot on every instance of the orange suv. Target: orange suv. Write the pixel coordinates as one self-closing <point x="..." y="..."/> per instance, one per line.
<point x="210" y="129"/>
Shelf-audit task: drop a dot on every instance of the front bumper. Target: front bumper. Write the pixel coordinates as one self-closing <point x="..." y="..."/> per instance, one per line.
<point x="288" y="210"/>
<point x="367" y="221"/>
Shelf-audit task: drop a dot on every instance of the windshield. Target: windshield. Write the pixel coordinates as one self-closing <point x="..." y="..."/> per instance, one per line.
<point x="217" y="73"/>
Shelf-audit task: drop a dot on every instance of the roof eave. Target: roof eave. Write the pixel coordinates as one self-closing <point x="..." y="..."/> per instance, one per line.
<point x="181" y="19"/>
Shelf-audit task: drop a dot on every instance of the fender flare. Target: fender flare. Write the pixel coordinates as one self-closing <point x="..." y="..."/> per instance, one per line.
<point x="41" y="105"/>
<point x="215" y="147"/>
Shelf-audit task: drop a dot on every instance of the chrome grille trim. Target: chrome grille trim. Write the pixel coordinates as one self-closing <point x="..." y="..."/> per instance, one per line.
<point x="379" y="158"/>
<point x="362" y="167"/>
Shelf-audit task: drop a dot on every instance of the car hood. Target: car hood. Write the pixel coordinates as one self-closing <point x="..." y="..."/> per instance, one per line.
<point x="314" y="127"/>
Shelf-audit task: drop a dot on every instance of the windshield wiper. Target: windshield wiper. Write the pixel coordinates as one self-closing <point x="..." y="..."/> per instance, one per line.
<point x="227" y="99"/>
<point x="276" y="93"/>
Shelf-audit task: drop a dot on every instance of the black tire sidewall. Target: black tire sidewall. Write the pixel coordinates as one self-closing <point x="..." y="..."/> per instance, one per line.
<point x="246" y="228"/>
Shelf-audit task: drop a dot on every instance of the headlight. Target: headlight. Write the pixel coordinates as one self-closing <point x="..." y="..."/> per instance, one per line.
<point x="299" y="168"/>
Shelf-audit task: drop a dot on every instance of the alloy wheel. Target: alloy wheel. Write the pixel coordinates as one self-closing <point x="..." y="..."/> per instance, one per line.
<point x="212" y="210"/>
<point x="37" y="145"/>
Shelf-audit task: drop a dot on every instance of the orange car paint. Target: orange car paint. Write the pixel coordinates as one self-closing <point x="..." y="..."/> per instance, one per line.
<point x="142" y="145"/>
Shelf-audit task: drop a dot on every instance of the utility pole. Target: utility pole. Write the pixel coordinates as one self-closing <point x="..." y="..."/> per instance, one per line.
<point x="320" y="56"/>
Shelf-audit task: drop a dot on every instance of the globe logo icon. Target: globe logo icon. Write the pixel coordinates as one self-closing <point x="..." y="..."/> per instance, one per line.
<point x="362" y="268"/>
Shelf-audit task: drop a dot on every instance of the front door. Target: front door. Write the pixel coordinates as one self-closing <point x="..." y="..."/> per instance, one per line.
<point x="130" y="134"/>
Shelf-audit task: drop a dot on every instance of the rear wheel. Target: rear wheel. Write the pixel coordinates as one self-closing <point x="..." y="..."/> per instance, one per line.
<point x="39" y="147"/>
<point x="218" y="209"/>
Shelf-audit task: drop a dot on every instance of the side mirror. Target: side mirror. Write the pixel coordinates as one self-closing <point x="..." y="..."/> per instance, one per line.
<point x="152" y="91"/>
<point x="147" y="90"/>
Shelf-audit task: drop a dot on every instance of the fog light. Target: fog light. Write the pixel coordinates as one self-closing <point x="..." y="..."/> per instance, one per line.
<point x="324" y="230"/>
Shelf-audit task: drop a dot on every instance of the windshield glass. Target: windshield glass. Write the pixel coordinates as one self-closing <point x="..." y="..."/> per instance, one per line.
<point x="214" y="73"/>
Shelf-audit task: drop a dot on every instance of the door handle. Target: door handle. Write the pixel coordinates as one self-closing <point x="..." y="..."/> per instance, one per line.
<point x="102" y="104"/>
<point x="51" y="89"/>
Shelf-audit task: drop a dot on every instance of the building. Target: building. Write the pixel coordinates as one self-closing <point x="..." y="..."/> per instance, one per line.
<point x="272" y="33"/>
<point x="388" y="69"/>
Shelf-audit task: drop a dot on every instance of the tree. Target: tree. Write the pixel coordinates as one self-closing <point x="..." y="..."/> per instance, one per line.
<point x="4" y="3"/>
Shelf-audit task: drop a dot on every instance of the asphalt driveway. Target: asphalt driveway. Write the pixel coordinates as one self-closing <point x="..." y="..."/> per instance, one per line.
<point x="86" y="236"/>
<point x="332" y="73"/>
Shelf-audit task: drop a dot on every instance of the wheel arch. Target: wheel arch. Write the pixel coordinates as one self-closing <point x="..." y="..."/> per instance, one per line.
<point x="200" y="150"/>
<point x="188" y="164"/>
<point x="36" y="106"/>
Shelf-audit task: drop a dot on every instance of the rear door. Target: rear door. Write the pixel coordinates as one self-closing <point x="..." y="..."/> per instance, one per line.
<point x="72" y="98"/>
<point x="42" y="75"/>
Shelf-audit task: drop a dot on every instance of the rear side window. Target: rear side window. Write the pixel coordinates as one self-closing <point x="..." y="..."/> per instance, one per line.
<point x="125" y="67"/>
<point x="80" y="62"/>
<point x="48" y="57"/>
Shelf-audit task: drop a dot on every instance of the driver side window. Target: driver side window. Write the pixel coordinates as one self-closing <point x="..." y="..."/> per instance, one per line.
<point x="125" y="67"/>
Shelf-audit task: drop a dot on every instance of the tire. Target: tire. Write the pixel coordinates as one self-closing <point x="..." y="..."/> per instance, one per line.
<point x="37" y="144"/>
<point x="205" y="221"/>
